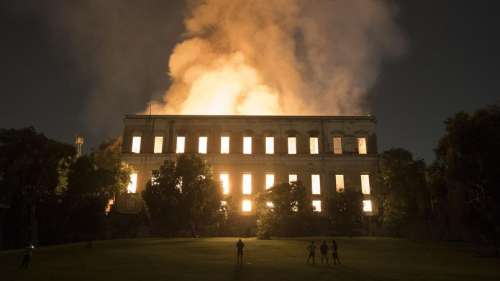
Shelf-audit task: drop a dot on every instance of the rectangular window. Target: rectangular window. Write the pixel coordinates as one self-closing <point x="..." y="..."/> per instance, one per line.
<point x="316" y="205"/>
<point x="315" y="184"/>
<point x="246" y="205"/>
<point x="180" y="145"/>
<point x="292" y="145"/>
<point x="367" y="206"/>
<point x="202" y="145"/>
<point x="247" y="184"/>
<point x="365" y="184"/>
<point x="314" y="145"/>
<point x="158" y="147"/>
<point x="247" y="145"/>
<point x="224" y="179"/>
<point x="337" y="145"/>
<point x="339" y="183"/>
<point x="362" y="145"/>
<point x="292" y="178"/>
<point x="132" y="184"/>
<point x="136" y="144"/>
<point x="269" y="145"/>
<point x="269" y="181"/>
<point x="224" y="145"/>
<point x="269" y="204"/>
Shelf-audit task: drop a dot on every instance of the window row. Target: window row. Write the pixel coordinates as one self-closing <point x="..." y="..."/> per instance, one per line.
<point x="247" y="205"/>
<point x="180" y="145"/>
<point x="247" y="184"/>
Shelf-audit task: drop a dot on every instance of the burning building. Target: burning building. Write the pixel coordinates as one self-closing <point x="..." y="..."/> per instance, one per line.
<point x="248" y="154"/>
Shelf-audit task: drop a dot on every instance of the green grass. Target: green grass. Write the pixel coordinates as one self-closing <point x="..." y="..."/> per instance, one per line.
<point x="277" y="260"/>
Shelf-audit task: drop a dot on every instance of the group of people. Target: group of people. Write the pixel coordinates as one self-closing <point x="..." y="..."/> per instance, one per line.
<point x="311" y="249"/>
<point x="323" y="249"/>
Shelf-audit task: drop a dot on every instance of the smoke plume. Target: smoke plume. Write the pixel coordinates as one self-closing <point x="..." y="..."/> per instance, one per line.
<point x="279" y="57"/>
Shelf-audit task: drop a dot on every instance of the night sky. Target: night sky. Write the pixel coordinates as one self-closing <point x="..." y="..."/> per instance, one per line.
<point x="63" y="59"/>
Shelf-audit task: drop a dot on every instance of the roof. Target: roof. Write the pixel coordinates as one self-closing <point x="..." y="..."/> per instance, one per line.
<point x="258" y="117"/>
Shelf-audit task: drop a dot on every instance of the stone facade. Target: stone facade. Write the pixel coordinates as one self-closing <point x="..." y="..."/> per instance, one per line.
<point x="351" y="163"/>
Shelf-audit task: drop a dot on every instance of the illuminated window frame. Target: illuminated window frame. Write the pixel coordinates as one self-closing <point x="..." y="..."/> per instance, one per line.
<point x="224" y="178"/>
<point x="132" y="184"/>
<point x="269" y="181"/>
<point x="180" y="144"/>
<point x="314" y="145"/>
<point x="202" y="144"/>
<point x="247" y="184"/>
<point x="225" y="142"/>
<point x="136" y="144"/>
<point x="316" y="206"/>
<point x="339" y="183"/>
<point x="337" y="145"/>
<point x="246" y="205"/>
<point x="269" y="145"/>
<point x="158" y="146"/>
<point x="362" y="149"/>
<point x="367" y="206"/>
<point x="247" y="145"/>
<point x="292" y="145"/>
<point x="292" y="178"/>
<point x="315" y="184"/>
<point x="365" y="184"/>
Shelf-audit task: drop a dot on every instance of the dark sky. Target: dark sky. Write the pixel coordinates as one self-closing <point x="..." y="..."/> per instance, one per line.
<point x="59" y="57"/>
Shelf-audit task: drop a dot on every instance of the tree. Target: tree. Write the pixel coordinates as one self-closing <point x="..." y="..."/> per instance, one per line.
<point x="183" y="196"/>
<point x="466" y="175"/>
<point x="402" y="193"/>
<point x="345" y="212"/>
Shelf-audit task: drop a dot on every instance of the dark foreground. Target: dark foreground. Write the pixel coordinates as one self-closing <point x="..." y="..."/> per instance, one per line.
<point x="276" y="260"/>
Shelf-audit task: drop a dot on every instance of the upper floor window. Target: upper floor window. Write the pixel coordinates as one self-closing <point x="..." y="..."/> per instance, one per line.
<point x="246" y="205"/>
<point x="269" y="145"/>
<point x="292" y="178"/>
<point x="313" y="145"/>
<point x="158" y="147"/>
<point x="269" y="181"/>
<point x="180" y="145"/>
<point x="202" y="145"/>
<point x="136" y="144"/>
<point x="247" y="145"/>
<point x="292" y="145"/>
<point x="362" y="146"/>
<point x="247" y="184"/>
<point x="132" y="184"/>
<point x="367" y="206"/>
<point x="224" y="178"/>
<point x="339" y="183"/>
<point x="315" y="184"/>
<point x="224" y="145"/>
<point x="365" y="184"/>
<point x="337" y="145"/>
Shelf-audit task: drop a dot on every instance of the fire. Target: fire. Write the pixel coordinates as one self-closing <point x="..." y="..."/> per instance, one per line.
<point x="277" y="57"/>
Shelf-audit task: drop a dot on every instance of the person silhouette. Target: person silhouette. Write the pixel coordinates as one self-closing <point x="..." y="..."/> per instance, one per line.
<point x="311" y="249"/>
<point x="335" y="254"/>
<point x="239" y="252"/>
<point x="324" y="252"/>
<point x="28" y="253"/>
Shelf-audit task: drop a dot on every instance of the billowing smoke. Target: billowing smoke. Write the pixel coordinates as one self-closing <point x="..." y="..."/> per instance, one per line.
<point x="279" y="56"/>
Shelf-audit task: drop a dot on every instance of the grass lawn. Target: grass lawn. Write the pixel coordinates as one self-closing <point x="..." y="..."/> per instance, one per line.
<point x="277" y="260"/>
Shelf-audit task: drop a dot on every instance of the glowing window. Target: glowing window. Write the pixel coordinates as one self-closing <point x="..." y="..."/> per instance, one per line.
<point x="365" y="184"/>
<point x="315" y="184"/>
<point x="247" y="145"/>
<point x="247" y="184"/>
<point x="158" y="147"/>
<point x="224" y="145"/>
<point x="269" y="204"/>
<point x="224" y="179"/>
<point x="136" y="144"/>
<point x="316" y="205"/>
<point x="337" y="145"/>
<point x="223" y="203"/>
<point x="132" y="184"/>
<point x="269" y="145"/>
<point x="246" y="205"/>
<point x="367" y="206"/>
<point x="339" y="183"/>
<point x="314" y="145"/>
<point x="362" y="145"/>
<point x="292" y="178"/>
<point x="202" y="145"/>
<point x="180" y="145"/>
<point x="292" y="145"/>
<point x="269" y="180"/>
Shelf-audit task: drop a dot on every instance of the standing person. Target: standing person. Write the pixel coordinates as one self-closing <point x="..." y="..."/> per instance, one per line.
<point x="28" y="253"/>
<point x="335" y="254"/>
<point x="239" y="252"/>
<point x="324" y="252"/>
<point x="311" y="249"/>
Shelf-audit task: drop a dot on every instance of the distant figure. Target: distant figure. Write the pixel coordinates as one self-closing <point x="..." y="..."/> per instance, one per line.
<point x="239" y="254"/>
<point x="324" y="252"/>
<point x="335" y="254"/>
<point x="28" y="253"/>
<point x="311" y="249"/>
